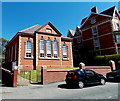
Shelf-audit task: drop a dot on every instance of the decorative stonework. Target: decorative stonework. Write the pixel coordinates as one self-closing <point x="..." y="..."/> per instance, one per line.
<point x="37" y="49"/>
<point x="19" y="51"/>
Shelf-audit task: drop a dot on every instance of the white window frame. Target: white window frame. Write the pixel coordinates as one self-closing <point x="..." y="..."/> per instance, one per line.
<point x="48" y="30"/>
<point x="42" y="51"/>
<point x="65" y="51"/>
<point x="118" y="39"/>
<point x="93" y="20"/>
<point x="28" y="50"/>
<point x="49" y="48"/>
<point x="79" y="40"/>
<point x="93" y="30"/>
<point x="55" y="49"/>
<point x="117" y="26"/>
<point x="96" y="43"/>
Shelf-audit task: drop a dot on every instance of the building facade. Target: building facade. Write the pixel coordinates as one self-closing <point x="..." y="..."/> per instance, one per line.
<point x="99" y="33"/>
<point x="39" y="46"/>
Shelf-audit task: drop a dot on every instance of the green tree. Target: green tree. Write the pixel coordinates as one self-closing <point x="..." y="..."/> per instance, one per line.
<point x="3" y="43"/>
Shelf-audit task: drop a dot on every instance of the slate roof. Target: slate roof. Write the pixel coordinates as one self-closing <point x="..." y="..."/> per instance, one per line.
<point x="83" y="20"/>
<point x="65" y="37"/>
<point x="109" y="11"/>
<point x="31" y="30"/>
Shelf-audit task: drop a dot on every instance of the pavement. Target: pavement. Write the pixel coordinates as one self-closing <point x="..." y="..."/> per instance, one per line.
<point x="59" y="90"/>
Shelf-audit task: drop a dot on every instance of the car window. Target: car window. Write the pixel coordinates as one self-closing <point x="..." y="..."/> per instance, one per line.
<point x="80" y="72"/>
<point x="90" y="73"/>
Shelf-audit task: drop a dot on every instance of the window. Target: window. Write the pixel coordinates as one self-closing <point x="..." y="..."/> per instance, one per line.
<point x="117" y="26"/>
<point x="28" y="48"/>
<point x="118" y="38"/>
<point x="90" y="73"/>
<point x="42" y="47"/>
<point x="94" y="29"/>
<point x="79" y="40"/>
<point x="118" y="51"/>
<point x="55" y="48"/>
<point x="64" y="51"/>
<point x="48" y="30"/>
<point x="96" y="43"/>
<point x="49" y="48"/>
<point x="93" y="20"/>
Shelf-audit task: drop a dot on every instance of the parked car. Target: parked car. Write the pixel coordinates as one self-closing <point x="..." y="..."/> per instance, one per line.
<point x="113" y="76"/>
<point x="80" y="78"/>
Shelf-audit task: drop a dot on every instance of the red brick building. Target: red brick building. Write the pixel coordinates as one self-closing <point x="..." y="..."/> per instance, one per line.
<point x="39" y="46"/>
<point x="99" y="33"/>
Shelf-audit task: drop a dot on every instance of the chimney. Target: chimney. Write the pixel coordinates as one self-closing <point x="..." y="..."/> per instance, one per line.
<point x="94" y="9"/>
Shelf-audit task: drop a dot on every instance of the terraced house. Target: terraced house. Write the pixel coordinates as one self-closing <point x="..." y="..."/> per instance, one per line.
<point x="39" y="46"/>
<point x="98" y="34"/>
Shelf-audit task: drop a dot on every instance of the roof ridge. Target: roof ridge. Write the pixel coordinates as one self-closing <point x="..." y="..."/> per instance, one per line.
<point x="29" y="27"/>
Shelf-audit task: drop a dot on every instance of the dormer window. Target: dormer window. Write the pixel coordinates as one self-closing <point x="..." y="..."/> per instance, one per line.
<point x="48" y="30"/>
<point x="117" y="26"/>
<point x="93" y="20"/>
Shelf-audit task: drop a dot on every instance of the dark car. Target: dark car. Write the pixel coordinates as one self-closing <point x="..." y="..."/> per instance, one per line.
<point x="113" y="76"/>
<point x="80" y="78"/>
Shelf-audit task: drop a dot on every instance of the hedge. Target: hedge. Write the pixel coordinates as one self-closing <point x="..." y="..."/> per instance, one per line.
<point x="104" y="59"/>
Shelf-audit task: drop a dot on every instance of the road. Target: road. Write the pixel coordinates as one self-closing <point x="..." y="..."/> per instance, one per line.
<point x="60" y="91"/>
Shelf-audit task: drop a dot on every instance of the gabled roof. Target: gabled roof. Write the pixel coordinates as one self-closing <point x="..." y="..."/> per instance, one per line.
<point x="31" y="30"/>
<point x="83" y="20"/>
<point x="72" y="32"/>
<point x="51" y="26"/>
<point x="109" y="11"/>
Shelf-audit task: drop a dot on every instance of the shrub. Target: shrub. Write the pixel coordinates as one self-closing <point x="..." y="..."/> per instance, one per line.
<point x="104" y="60"/>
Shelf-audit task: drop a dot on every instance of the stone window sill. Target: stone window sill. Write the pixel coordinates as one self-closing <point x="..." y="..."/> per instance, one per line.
<point x="49" y="58"/>
<point x="65" y="59"/>
<point x="28" y="57"/>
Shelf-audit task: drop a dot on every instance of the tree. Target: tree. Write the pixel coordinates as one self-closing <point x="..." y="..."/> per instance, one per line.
<point x="3" y="43"/>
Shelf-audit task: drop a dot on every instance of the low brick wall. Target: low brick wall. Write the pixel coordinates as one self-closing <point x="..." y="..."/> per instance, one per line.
<point x="49" y="76"/>
<point x="99" y="69"/>
<point x="9" y="78"/>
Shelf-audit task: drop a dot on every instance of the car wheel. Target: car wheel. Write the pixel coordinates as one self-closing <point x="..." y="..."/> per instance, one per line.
<point x="81" y="84"/>
<point x="102" y="82"/>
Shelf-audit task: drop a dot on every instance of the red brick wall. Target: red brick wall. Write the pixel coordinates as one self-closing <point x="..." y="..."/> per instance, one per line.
<point x="89" y="44"/>
<point x="104" y="28"/>
<point x="106" y="41"/>
<point x="49" y="76"/>
<point x="100" y="69"/>
<point x="108" y="51"/>
<point x="87" y="34"/>
<point x="10" y="52"/>
<point x="26" y="62"/>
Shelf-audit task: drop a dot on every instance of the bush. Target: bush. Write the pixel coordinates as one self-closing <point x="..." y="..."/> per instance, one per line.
<point x="104" y="60"/>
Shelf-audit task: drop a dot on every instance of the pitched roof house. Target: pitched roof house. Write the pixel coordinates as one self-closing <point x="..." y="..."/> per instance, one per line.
<point x="39" y="46"/>
<point x="99" y="33"/>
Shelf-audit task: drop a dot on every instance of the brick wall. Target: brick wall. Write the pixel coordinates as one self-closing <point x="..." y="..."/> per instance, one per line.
<point x="99" y="69"/>
<point x="49" y="76"/>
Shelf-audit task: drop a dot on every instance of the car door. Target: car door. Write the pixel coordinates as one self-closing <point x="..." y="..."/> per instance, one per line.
<point x="91" y="76"/>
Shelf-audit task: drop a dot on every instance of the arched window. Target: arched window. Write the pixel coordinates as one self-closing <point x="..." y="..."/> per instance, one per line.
<point x="42" y="47"/>
<point x="55" y="48"/>
<point x="64" y="48"/>
<point x="28" y="48"/>
<point x="49" y="48"/>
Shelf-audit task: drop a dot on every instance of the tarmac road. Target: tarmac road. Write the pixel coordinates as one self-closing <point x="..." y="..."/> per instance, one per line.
<point x="59" y="90"/>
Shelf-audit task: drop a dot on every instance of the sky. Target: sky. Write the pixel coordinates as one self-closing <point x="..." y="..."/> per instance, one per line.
<point x="17" y="16"/>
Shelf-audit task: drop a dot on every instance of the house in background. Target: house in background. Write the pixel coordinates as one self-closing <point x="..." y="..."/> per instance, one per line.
<point x="99" y="34"/>
<point x="37" y="46"/>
